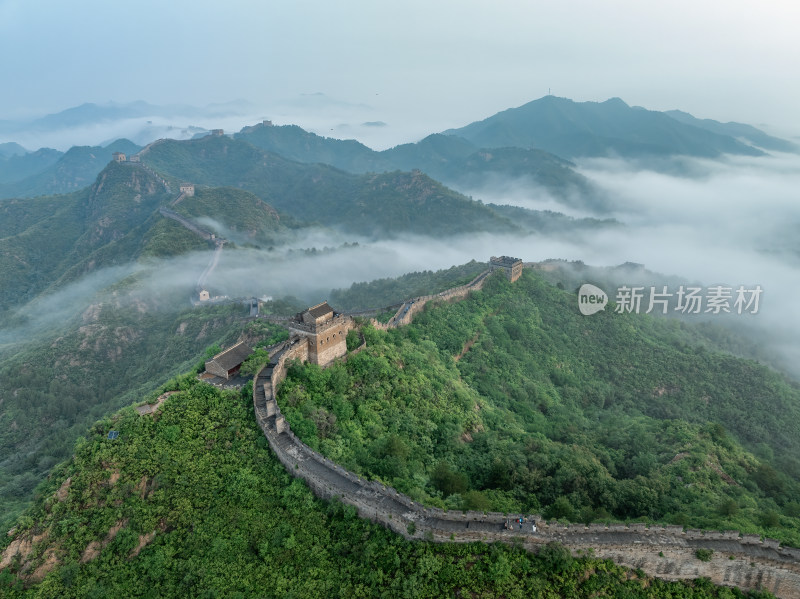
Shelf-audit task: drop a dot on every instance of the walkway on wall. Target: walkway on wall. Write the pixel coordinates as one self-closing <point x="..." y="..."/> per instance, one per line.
<point x="410" y="307"/>
<point x="665" y="551"/>
<point x="193" y="227"/>
<point x="218" y="242"/>
<point x="201" y="281"/>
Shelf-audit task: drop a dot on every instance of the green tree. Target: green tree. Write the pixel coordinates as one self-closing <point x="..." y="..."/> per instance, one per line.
<point x="448" y="481"/>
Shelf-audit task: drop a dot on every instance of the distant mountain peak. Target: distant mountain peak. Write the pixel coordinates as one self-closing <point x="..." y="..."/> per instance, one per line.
<point x="11" y="149"/>
<point x="615" y="101"/>
<point x="610" y="128"/>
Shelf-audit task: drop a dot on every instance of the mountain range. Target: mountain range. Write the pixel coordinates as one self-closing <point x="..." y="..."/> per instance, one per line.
<point x="49" y="172"/>
<point x="508" y="400"/>
<point x="587" y="129"/>
<point x="533" y="143"/>
<point x="452" y="160"/>
<point x="92" y="114"/>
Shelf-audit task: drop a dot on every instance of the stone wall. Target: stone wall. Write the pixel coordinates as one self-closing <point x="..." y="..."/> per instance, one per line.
<point x="329" y="344"/>
<point x="207" y="235"/>
<point x="405" y="313"/>
<point x="327" y="340"/>
<point x="664" y="551"/>
<point x="296" y="349"/>
<point x="374" y="311"/>
<point x="454" y="294"/>
<point x="362" y="346"/>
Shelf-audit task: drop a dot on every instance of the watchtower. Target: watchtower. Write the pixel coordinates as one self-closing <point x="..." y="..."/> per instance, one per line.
<point x="511" y="266"/>
<point x="325" y="330"/>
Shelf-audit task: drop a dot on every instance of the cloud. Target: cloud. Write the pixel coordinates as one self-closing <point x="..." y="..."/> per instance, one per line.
<point x="734" y="223"/>
<point x="51" y="310"/>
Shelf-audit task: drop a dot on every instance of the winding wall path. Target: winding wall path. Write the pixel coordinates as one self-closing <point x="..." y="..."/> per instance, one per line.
<point x="219" y="243"/>
<point x="664" y="551"/>
<point x="405" y="313"/>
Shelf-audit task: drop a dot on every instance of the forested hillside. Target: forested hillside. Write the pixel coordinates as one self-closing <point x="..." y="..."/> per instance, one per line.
<point x="389" y="203"/>
<point x="190" y="502"/>
<point x="50" y="172"/>
<point x="447" y="158"/>
<point x="57" y="239"/>
<point x="73" y="372"/>
<point x="17" y="163"/>
<point x="61" y="382"/>
<point x="240" y="213"/>
<point x="513" y="401"/>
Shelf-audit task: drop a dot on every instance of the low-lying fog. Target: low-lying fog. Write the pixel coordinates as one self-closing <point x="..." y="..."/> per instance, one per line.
<point x="734" y="222"/>
<point x="317" y="113"/>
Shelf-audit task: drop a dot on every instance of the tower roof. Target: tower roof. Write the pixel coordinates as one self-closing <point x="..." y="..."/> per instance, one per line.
<point x="320" y="310"/>
<point x="233" y="356"/>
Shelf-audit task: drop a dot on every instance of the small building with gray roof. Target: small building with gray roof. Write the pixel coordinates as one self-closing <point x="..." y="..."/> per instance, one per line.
<point x="226" y="364"/>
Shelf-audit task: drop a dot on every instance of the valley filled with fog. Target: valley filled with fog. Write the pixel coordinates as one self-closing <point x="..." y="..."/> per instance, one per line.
<point x="730" y="221"/>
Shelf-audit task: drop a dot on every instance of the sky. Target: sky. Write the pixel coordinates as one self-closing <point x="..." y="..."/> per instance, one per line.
<point x="418" y="66"/>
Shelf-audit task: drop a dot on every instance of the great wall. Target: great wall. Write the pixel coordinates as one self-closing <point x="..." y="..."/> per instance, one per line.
<point x="668" y="552"/>
<point x="186" y="190"/>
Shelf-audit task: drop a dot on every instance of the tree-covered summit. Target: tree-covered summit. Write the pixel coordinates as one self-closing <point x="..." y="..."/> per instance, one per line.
<point x="513" y="401"/>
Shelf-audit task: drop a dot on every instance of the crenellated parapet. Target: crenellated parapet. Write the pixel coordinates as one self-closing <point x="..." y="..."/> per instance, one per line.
<point x="325" y="330"/>
<point x="665" y="551"/>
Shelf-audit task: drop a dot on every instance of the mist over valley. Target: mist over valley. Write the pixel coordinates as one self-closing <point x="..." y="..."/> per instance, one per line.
<point x="121" y="266"/>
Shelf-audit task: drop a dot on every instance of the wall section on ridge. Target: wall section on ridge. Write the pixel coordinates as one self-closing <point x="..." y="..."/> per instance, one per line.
<point x="666" y="552"/>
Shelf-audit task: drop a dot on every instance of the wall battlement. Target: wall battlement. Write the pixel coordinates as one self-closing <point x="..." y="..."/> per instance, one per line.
<point x="668" y="551"/>
<point x="336" y="321"/>
<point x="405" y="313"/>
<point x="755" y="563"/>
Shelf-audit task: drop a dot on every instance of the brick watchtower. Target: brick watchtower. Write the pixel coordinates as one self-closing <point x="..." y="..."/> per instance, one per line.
<point x="511" y="266"/>
<point x="325" y="330"/>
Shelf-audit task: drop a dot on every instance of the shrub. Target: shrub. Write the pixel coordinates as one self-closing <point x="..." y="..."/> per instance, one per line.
<point x="556" y="557"/>
<point x="704" y="555"/>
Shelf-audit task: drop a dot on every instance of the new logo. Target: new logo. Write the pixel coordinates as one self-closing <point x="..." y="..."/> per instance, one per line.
<point x="591" y="299"/>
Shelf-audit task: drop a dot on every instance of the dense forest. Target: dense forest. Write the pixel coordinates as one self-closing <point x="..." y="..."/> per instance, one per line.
<point x="75" y="370"/>
<point x="190" y="502"/>
<point x="513" y="401"/>
<point x="372" y="204"/>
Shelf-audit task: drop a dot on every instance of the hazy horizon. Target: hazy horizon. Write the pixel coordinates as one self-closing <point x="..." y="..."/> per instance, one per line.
<point x="420" y="68"/>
